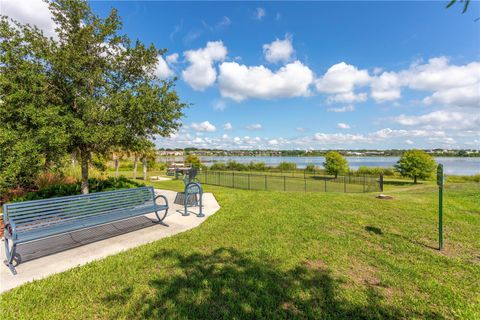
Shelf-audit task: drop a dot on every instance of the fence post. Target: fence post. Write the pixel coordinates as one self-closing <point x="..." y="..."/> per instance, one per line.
<point x="363" y="183"/>
<point x="248" y="182"/>
<point x="284" y="183"/>
<point x="381" y="182"/>
<point x="344" y="184"/>
<point x="325" y="179"/>
<point x="265" y="182"/>
<point x="305" y="180"/>
<point x="218" y="178"/>
<point x="233" y="180"/>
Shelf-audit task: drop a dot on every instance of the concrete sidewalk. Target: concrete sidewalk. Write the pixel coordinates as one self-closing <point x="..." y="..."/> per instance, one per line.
<point x="56" y="254"/>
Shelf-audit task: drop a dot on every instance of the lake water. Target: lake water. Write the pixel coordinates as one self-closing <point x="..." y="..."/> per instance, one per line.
<point x="453" y="165"/>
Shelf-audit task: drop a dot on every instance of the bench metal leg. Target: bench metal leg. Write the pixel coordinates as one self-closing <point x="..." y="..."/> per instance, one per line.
<point x="10" y="253"/>
<point x="160" y="220"/>
<point x="201" y="215"/>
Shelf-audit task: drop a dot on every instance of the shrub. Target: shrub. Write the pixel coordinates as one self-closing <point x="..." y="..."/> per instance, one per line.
<point x="257" y="166"/>
<point x="218" y="166"/>
<point x="236" y="166"/>
<point x="47" y="179"/>
<point x="375" y="171"/>
<point x="287" y="166"/>
<point x="194" y="160"/>
<point x="63" y="189"/>
<point x="458" y="179"/>
<point x="310" y="168"/>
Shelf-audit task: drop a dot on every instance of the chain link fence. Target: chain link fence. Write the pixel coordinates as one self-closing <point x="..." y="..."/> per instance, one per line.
<point x="312" y="183"/>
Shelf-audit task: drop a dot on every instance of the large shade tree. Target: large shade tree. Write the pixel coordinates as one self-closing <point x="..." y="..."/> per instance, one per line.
<point x="415" y="164"/>
<point x="95" y="89"/>
<point x="335" y="163"/>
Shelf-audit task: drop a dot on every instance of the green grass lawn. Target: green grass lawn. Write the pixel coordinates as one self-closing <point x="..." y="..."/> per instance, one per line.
<point x="285" y="255"/>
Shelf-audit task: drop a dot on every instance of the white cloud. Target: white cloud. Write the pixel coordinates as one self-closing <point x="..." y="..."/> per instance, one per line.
<point x="342" y="78"/>
<point x="240" y="82"/>
<point x="259" y="14"/>
<point x="300" y="129"/>
<point x="451" y="85"/>
<point x="347" y="97"/>
<point x="408" y="141"/>
<point x="204" y="126"/>
<point x="34" y="12"/>
<point x="468" y="96"/>
<point x="279" y="50"/>
<point x="201" y="73"/>
<point x="224" y="22"/>
<point x="219" y="105"/>
<point x="162" y="70"/>
<point x="273" y="142"/>
<point x="386" y="87"/>
<point x="342" y="125"/>
<point x="441" y="119"/>
<point x="172" y="58"/>
<point x="347" y="108"/>
<point x="228" y="126"/>
<point x="383" y="137"/>
<point x="254" y="126"/>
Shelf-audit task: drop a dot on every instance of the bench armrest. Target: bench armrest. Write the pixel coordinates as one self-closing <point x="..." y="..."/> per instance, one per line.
<point x="163" y="197"/>
<point x="13" y="228"/>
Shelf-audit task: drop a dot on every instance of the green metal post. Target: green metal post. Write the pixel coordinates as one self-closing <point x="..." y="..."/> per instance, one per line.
<point x="284" y="183"/>
<point x="440" y="206"/>
<point x="440" y="218"/>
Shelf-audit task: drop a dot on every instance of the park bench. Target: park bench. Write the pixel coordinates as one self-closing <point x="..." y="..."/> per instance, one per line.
<point x="33" y="220"/>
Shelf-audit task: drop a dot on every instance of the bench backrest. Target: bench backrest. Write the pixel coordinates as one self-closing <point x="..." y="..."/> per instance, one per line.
<point x="30" y="215"/>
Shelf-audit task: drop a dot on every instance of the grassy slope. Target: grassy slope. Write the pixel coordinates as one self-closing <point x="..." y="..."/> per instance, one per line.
<point x="284" y="255"/>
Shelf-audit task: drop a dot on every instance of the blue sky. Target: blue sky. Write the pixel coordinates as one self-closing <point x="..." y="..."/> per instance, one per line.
<point x="313" y="75"/>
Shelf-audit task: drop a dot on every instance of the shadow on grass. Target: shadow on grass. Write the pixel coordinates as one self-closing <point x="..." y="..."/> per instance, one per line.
<point x="374" y="230"/>
<point x="228" y="285"/>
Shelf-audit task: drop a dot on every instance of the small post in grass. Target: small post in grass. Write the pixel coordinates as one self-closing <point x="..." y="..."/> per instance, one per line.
<point x="440" y="178"/>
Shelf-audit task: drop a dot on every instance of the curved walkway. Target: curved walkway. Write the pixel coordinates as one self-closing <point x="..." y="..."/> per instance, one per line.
<point x="56" y="254"/>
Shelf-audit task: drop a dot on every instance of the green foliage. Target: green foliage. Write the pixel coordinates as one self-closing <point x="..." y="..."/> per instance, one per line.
<point x="375" y="171"/>
<point x="194" y="160"/>
<point x="416" y="164"/>
<point x="335" y="163"/>
<point x="236" y="166"/>
<point x="310" y="168"/>
<point x="89" y="91"/>
<point x="465" y="4"/>
<point x="287" y="166"/>
<point x="218" y="166"/>
<point x="257" y="166"/>
<point x="65" y="189"/>
<point x="459" y="179"/>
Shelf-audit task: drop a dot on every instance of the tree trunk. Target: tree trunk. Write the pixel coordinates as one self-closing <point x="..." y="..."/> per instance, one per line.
<point x="85" y="157"/>
<point x="135" y="160"/>
<point x="116" y="167"/>
<point x="144" y="160"/>
<point x="74" y="159"/>
<point x="415" y="179"/>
